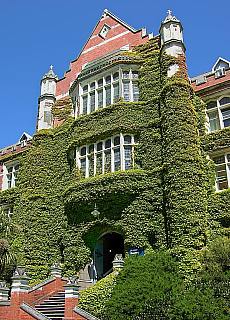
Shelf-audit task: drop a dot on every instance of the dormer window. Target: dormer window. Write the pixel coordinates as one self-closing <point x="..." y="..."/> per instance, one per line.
<point x="220" y="73"/>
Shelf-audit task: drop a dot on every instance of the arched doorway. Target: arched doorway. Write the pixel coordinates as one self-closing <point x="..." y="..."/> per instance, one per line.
<point x="107" y="246"/>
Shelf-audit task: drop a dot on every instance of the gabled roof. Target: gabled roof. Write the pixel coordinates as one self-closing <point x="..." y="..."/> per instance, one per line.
<point x="219" y="60"/>
<point x="25" y="136"/>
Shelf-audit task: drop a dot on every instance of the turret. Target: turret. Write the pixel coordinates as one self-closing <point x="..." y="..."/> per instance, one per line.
<point x="46" y="99"/>
<point x="171" y="33"/>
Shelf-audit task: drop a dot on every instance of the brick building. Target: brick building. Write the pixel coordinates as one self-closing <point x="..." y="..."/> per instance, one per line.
<point x="99" y="146"/>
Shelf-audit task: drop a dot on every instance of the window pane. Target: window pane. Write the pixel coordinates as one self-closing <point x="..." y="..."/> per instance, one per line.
<point x="85" y="89"/>
<point x="135" y="74"/>
<point x="219" y="160"/>
<point x="127" y="139"/>
<point x="107" y="165"/>
<point x="83" y="151"/>
<point x="91" y="148"/>
<point x="126" y="91"/>
<point x="115" y="92"/>
<point x="117" y="159"/>
<point x="92" y="102"/>
<point x="125" y="74"/>
<point x="107" y="143"/>
<point x="226" y="117"/>
<point x="85" y="102"/>
<point x="91" y="165"/>
<point x="224" y="100"/>
<point x="135" y="91"/>
<point x="128" y="157"/>
<point x="99" y="146"/>
<point x="92" y="86"/>
<point x="214" y="121"/>
<point x="116" y="76"/>
<point x="108" y="79"/>
<point x="100" y="83"/>
<point x="211" y="104"/>
<point x="100" y="99"/>
<point x="221" y="177"/>
<point x="99" y="163"/>
<point x="116" y="141"/>
<point x="108" y="95"/>
<point x="48" y="117"/>
<point x="83" y="166"/>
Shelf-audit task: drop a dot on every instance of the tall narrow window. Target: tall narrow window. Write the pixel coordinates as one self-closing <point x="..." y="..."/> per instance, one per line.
<point x="214" y="121"/>
<point x="221" y="172"/>
<point x="100" y="98"/>
<point x="226" y="117"/>
<point x="92" y="101"/>
<point x="108" y="95"/>
<point x="85" y="103"/>
<point x="126" y="91"/>
<point x="116" y="92"/>
<point x="11" y="176"/>
<point x="135" y="91"/>
<point x="107" y="161"/>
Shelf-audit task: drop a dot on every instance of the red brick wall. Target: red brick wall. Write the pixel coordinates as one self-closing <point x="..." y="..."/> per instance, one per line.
<point x="106" y="46"/>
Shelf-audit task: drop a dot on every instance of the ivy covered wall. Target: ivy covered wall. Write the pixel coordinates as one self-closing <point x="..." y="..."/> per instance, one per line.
<point x="161" y="203"/>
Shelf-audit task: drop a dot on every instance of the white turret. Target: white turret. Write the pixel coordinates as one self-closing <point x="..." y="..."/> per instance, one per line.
<point x="171" y="32"/>
<point x="46" y="99"/>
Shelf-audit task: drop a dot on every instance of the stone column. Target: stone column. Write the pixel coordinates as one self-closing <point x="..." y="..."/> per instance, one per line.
<point x="118" y="262"/>
<point x="71" y="297"/>
<point x="4" y="292"/>
<point x="19" y="290"/>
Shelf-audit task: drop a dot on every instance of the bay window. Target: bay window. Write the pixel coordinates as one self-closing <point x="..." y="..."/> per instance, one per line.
<point x="110" y="155"/>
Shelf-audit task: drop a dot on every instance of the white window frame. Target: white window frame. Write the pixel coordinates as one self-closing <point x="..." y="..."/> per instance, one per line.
<point x="227" y="168"/>
<point x="119" y="81"/>
<point x="121" y="146"/>
<point x="6" y="167"/>
<point x="219" y="108"/>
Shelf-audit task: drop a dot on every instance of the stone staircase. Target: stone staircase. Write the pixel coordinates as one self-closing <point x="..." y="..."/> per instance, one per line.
<point x="54" y="307"/>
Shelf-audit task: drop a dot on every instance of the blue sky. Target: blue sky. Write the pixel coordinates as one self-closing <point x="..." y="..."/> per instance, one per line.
<point x="37" y="33"/>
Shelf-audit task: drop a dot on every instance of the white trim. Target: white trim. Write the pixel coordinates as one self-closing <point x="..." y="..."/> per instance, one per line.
<point x="106" y="41"/>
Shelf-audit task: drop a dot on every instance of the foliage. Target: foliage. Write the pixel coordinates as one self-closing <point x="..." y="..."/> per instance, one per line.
<point x="151" y="287"/>
<point x="95" y="298"/>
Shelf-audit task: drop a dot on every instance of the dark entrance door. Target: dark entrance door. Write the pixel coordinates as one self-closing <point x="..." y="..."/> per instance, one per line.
<point x="106" y="248"/>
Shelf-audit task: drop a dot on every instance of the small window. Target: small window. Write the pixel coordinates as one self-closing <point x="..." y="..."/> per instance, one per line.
<point x="226" y="117"/>
<point x="85" y="103"/>
<point x="100" y="98"/>
<point x="116" y="141"/>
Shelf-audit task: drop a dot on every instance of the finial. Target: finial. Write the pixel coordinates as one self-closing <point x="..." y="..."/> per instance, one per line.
<point x="51" y="67"/>
<point x="169" y="12"/>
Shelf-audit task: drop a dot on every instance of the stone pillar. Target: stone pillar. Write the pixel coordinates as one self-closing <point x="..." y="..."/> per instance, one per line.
<point x="56" y="270"/>
<point x="118" y="262"/>
<point x="4" y="292"/>
<point x="19" y="291"/>
<point x="71" y="297"/>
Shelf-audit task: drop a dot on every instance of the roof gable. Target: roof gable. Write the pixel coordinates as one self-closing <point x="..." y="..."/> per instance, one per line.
<point x="221" y="63"/>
